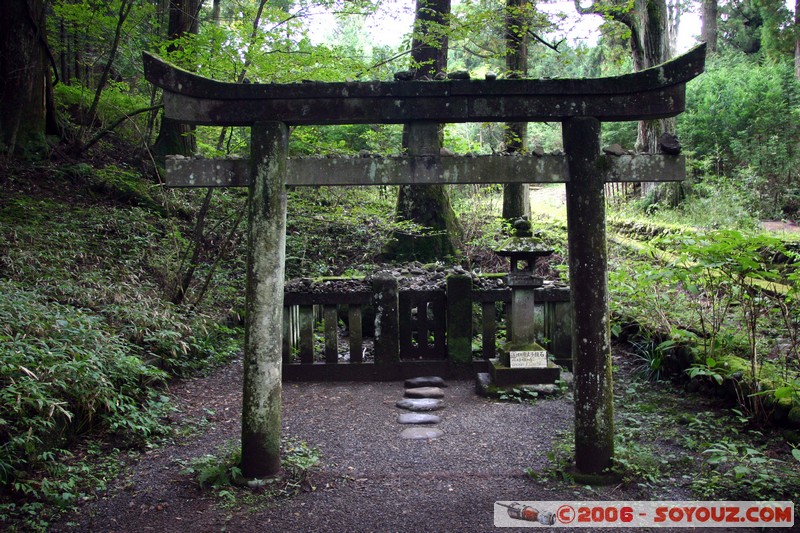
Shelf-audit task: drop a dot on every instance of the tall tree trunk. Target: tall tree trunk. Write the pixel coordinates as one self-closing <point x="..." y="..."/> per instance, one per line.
<point x="708" y="31"/>
<point x="649" y="24"/>
<point x="516" y="196"/>
<point x="797" y="38"/>
<point x="675" y="9"/>
<point x="174" y="137"/>
<point x="650" y="47"/>
<point x="63" y="56"/>
<point x="76" y="57"/>
<point x="426" y="205"/>
<point x="24" y="77"/>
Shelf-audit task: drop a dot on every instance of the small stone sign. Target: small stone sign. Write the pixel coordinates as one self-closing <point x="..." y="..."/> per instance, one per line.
<point x="528" y="359"/>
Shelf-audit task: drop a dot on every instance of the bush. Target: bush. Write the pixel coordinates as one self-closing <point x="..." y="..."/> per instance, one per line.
<point x="743" y="120"/>
<point x="62" y="372"/>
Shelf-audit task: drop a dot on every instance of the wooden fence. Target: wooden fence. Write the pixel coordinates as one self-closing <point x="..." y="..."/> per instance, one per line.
<point x="387" y="334"/>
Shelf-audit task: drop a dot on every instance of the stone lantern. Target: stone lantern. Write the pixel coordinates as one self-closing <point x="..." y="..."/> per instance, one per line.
<point x="522" y="359"/>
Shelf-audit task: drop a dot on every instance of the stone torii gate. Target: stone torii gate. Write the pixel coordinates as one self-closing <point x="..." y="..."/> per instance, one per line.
<point x="579" y="104"/>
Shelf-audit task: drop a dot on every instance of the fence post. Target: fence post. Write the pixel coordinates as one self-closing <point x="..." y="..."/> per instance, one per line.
<point x="266" y="235"/>
<point x="286" y="346"/>
<point x="387" y="323"/>
<point x="561" y="336"/>
<point x="459" y="319"/>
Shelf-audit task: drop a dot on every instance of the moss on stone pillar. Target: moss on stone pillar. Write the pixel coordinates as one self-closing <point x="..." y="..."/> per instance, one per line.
<point x="261" y="401"/>
<point x="588" y="273"/>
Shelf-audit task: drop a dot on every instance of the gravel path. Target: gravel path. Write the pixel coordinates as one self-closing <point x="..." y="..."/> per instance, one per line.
<point x="370" y="479"/>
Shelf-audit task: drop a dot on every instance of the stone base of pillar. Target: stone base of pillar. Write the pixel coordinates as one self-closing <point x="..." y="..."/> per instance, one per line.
<point x="503" y="376"/>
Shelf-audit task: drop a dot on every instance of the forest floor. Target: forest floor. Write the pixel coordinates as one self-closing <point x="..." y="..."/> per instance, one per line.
<point x="369" y="479"/>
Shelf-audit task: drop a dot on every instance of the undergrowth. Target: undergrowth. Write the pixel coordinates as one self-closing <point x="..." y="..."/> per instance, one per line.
<point x="665" y="450"/>
<point x="219" y="472"/>
<point x="88" y="337"/>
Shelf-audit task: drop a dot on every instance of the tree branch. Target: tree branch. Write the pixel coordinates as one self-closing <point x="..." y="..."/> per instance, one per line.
<point x="124" y="10"/>
<point x="389" y="60"/>
<point x="483" y="55"/>
<point x="493" y="52"/>
<point x="553" y="47"/>
<point x="116" y="123"/>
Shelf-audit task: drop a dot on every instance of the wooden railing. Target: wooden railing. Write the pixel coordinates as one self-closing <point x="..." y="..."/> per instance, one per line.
<point x="389" y="334"/>
<point x="303" y="312"/>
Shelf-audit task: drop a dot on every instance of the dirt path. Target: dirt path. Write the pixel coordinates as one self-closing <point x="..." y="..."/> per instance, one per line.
<point x="370" y="478"/>
<point x="780" y="226"/>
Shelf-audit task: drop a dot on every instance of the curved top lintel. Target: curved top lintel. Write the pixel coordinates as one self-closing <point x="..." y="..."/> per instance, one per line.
<point x="657" y="92"/>
<point x="179" y="81"/>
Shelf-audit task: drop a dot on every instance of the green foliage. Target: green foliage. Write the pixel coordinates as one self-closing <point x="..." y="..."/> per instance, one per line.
<point x="118" y="100"/>
<point x="382" y="139"/>
<point x="753" y="26"/>
<point x="217" y="471"/>
<point x="125" y="186"/>
<point x="743" y="121"/>
<point x="730" y="271"/>
<point x="722" y="300"/>
<point x="518" y="395"/>
<point x="126" y="255"/>
<point x="663" y="444"/>
<point x="298" y="459"/>
<point x="736" y="462"/>
<point x="650" y="356"/>
<point x="87" y="25"/>
<point x="635" y="459"/>
<point x="707" y="369"/>
<point x="85" y="331"/>
<point x="647" y="294"/>
<point x="712" y="201"/>
<point x="332" y="229"/>
<point x="64" y="373"/>
<point x="276" y="51"/>
<point x="67" y="480"/>
<point x="741" y="468"/>
<point x="220" y="472"/>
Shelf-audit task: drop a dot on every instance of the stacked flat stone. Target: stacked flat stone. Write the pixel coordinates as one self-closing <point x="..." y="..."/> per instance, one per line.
<point x="422" y="395"/>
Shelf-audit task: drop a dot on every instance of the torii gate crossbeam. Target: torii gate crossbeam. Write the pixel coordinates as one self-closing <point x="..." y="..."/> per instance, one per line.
<point x="579" y="104"/>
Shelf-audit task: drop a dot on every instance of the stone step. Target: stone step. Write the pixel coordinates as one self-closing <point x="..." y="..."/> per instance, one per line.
<point x="424" y="392"/>
<point x="418" y="418"/>
<point x="425" y="381"/>
<point x="420" y="433"/>
<point x="485" y="386"/>
<point x="420" y="404"/>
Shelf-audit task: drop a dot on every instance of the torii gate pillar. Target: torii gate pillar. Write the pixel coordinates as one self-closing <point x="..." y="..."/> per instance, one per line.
<point x="580" y="104"/>
<point x="266" y="236"/>
<point x="588" y="274"/>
